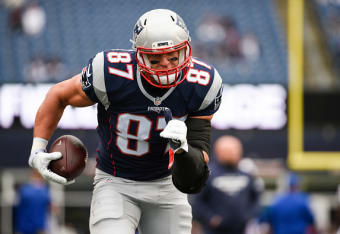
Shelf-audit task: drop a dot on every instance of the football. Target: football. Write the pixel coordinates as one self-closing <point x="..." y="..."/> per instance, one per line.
<point x="74" y="157"/>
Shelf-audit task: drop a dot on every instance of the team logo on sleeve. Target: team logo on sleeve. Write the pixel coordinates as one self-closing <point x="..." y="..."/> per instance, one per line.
<point x="218" y="98"/>
<point x="85" y="77"/>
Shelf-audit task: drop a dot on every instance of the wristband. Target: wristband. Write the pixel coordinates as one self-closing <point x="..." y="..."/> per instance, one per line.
<point x="39" y="144"/>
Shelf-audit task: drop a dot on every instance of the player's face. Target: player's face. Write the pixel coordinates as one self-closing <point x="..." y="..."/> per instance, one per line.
<point x="164" y="61"/>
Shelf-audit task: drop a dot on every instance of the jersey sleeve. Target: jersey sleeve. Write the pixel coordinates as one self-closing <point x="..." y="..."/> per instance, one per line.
<point x="212" y="99"/>
<point x="87" y="81"/>
<point x="93" y="80"/>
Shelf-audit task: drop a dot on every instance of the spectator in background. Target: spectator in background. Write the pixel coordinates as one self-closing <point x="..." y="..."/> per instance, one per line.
<point x="45" y="69"/>
<point x="219" y="38"/>
<point x="36" y="71"/>
<point x="233" y="37"/>
<point x="290" y="211"/>
<point x="56" y="69"/>
<point x="33" y="19"/>
<point x="14" y="19"/>
<point x="248" y="165"/>
<point x="250" y="47"/>
<point x="34" y="203"/>
<point x="15" y="8"/>
<point x="230" y="199"/>
<point x="25" y="16"/>
<point x="222" y="42"/>
<point x="11" y="4"/>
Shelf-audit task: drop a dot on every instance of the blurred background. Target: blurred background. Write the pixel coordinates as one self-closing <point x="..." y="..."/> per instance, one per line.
<point x="267" y="84"/>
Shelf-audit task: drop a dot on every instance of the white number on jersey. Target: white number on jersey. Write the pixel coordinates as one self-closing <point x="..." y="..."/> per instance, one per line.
<point x="120" y="57"/>
<point x="141" y="136"/>
<point x="198" y="76"/>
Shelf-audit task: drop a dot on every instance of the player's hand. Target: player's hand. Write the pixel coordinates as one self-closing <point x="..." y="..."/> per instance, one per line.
<point x="40" y="159"/>
<point x="176" y="132"/>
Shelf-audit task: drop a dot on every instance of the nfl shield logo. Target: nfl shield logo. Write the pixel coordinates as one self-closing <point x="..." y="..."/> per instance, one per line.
<point x="157" y="101"/>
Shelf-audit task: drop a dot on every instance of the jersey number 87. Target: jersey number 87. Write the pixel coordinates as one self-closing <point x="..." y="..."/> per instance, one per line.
<point x="141" y="135"/>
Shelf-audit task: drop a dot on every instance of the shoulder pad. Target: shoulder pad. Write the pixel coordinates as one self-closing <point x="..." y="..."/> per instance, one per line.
<point x="208" y="83"/>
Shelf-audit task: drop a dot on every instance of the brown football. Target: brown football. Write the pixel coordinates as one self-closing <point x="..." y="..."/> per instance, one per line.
<point x="74" y="157"/>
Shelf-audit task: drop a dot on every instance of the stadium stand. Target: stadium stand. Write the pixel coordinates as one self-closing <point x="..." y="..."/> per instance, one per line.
<point x="76" y="30"/>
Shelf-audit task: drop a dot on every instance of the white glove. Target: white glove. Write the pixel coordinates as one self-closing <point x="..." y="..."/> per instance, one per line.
<point x="39" y="159"/>
<point x="176" y="132"/>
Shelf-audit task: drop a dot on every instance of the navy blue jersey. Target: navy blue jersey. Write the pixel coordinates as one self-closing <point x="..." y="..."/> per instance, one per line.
<point x="130" y="111"/>
<point x="231" y="194"/>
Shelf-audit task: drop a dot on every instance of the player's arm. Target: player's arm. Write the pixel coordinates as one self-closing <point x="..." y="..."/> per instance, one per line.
<point x="68" y="92"/>
<point x="65" y="93"/>
<point x="190" y="170"/>
<point x="190" y="166"/>
<point x="205" y="121"/>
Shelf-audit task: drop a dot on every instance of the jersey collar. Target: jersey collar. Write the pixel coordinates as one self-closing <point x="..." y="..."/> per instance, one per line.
<point x="156" y="100"/>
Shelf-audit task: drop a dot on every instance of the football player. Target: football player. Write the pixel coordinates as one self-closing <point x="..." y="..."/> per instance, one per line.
<point x="148" y="161"/>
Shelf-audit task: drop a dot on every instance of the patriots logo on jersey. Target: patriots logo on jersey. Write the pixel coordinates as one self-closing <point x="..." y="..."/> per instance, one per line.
<point x="157" y="101"/>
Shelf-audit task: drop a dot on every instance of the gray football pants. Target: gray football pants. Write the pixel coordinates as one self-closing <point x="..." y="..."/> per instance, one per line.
<point x="119" y="206"/>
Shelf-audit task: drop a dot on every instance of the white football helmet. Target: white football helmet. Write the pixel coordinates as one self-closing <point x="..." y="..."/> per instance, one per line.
<point x="162" y="31"/>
